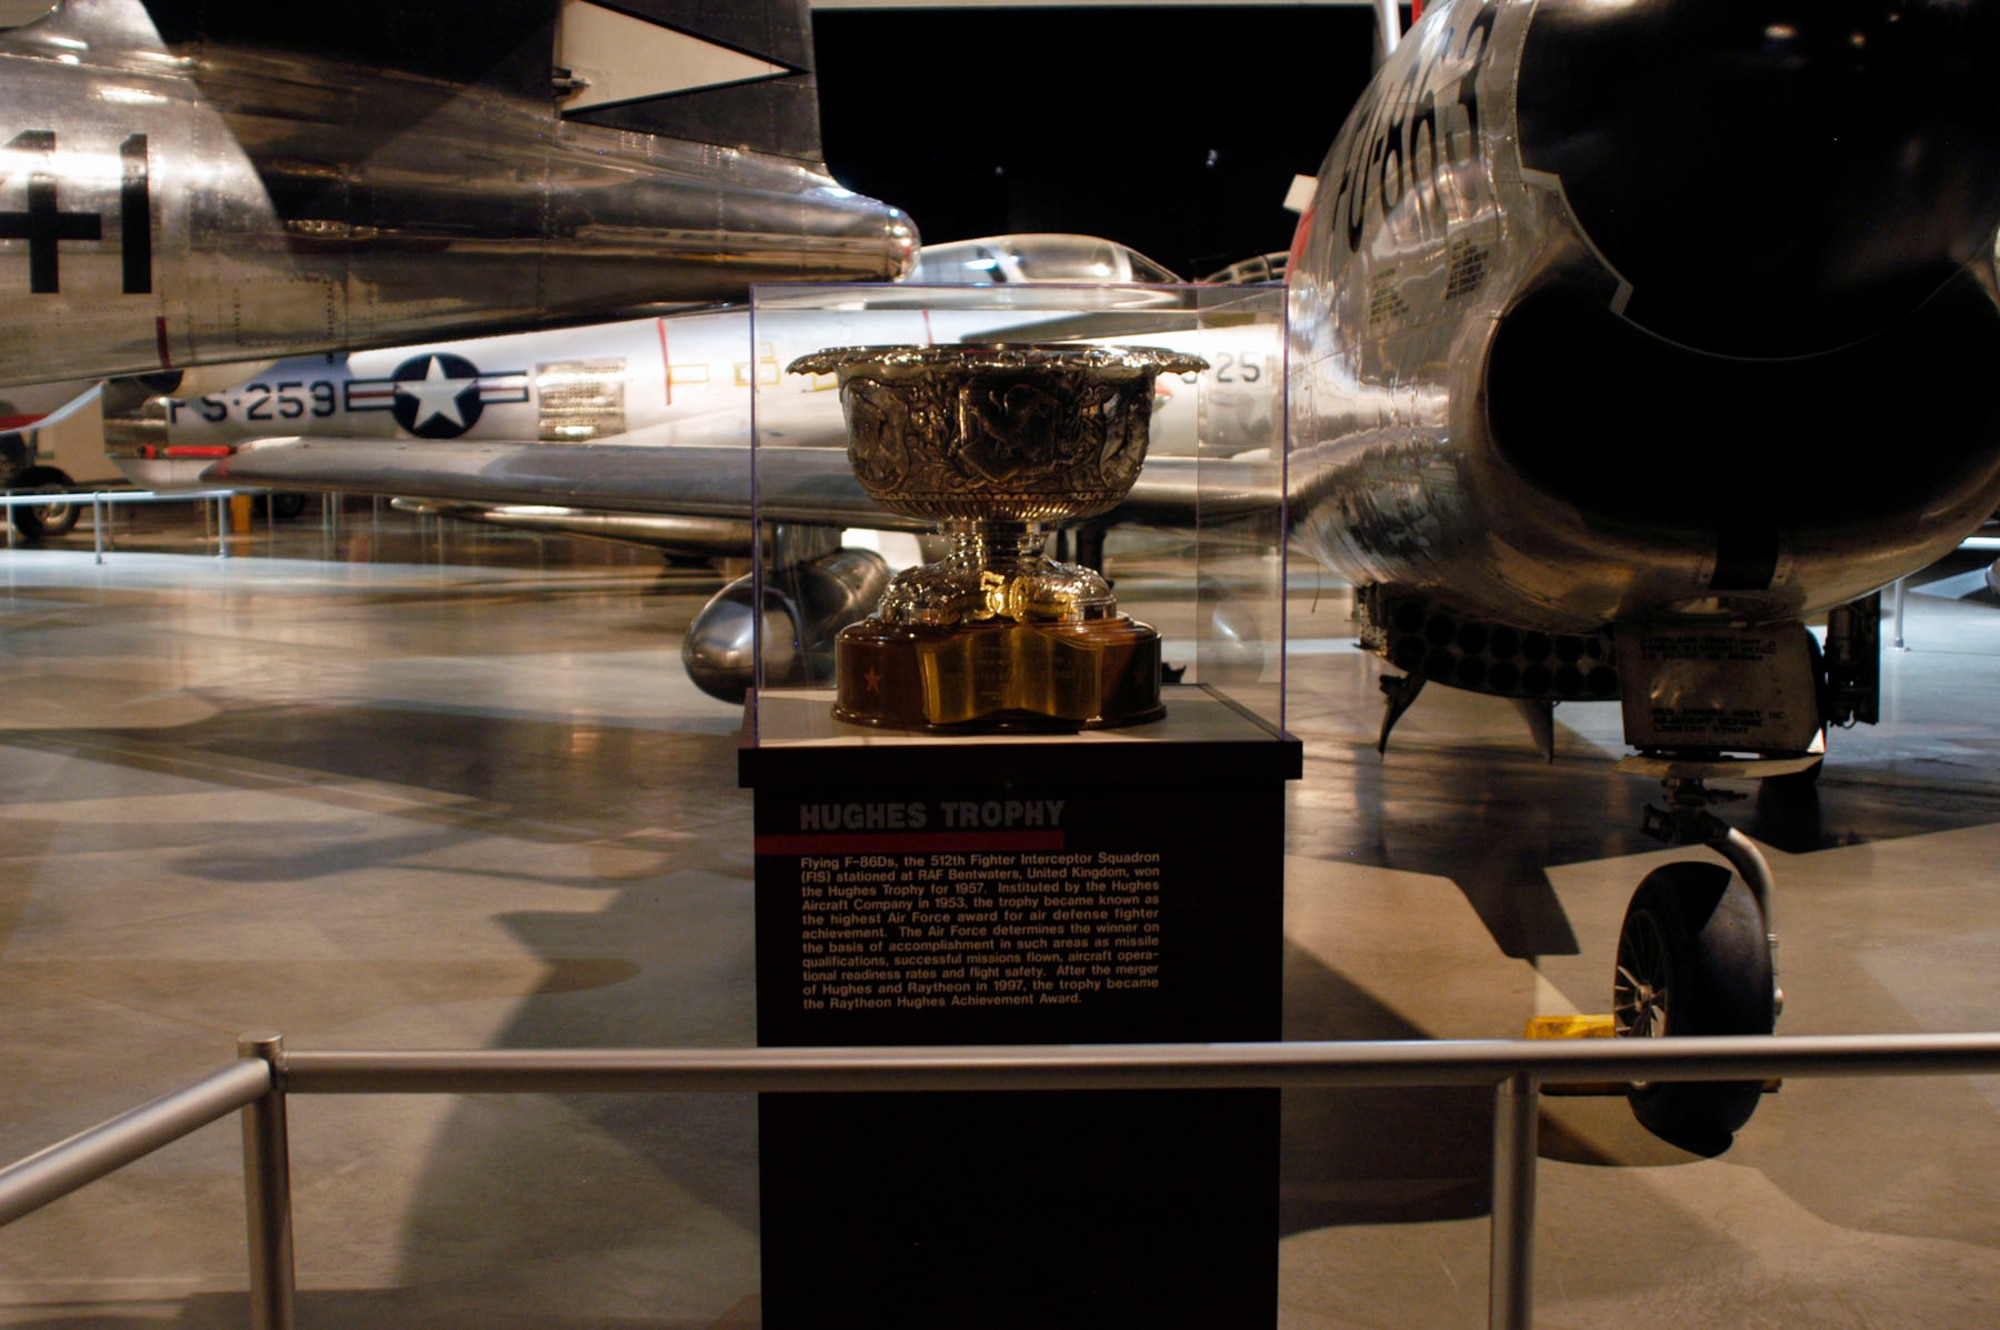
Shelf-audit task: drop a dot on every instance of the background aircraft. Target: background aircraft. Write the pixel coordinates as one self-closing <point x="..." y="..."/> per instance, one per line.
<point x="640" y="430"/>
<point x="657" y="382"/>
<point x="1625" y="337"/>
<point x="188" y="182"/>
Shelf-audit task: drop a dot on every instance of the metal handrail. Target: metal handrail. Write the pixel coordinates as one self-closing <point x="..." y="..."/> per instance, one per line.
<point x="37" y="498"/>
<point x="29" y="1184"/>
<point x="1412" y="1062"/>
<point x="1516" y="1069"/>
<point x="103" y="501"/>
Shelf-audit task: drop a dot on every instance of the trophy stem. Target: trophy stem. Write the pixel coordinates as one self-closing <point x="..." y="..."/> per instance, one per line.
<point x="1012" y="548"/>
<point x="1003" y="567"/>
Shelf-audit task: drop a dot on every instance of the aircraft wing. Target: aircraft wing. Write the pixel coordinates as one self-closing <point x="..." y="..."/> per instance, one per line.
<point x="799" y="484"/>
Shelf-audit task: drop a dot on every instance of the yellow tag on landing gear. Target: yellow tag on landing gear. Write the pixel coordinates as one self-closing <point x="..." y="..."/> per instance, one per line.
<point x="1575" y="1027"/>
<point x="1569" y="1027"/>
<point x="1589" y="1027"/>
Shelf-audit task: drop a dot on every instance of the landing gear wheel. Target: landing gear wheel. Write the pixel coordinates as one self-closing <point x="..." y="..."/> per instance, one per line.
<point x="1694" y="958"/>
<point x="58" y="517"/>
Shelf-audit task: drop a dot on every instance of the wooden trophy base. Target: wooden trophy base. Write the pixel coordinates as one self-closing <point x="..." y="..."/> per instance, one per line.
<point x="998" y="675"/>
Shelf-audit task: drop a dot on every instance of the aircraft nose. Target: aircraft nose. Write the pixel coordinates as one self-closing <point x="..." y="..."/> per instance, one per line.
<point x="1770" y="177"/>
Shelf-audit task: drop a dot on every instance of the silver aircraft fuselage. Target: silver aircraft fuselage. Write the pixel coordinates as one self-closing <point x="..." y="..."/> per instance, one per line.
<point x="163" y="206"/>
<point x="1656" y="311"/>
<point x="571" y="407"/>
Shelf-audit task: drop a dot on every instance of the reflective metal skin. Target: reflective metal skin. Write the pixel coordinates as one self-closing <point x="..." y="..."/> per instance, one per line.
<point x="607" y="417"/>
<point x="184" y="185"/>
<point x="699" y="537"/>
<point x="559" y="393"/>
<point x="667" y="382"/>
<point x="1625" y="334"/>
<point x="806" y="603"/>
<point x="1654" y="311"/>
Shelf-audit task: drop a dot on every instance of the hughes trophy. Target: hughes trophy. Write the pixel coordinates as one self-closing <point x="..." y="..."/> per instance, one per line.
<point x="998" y="444"/>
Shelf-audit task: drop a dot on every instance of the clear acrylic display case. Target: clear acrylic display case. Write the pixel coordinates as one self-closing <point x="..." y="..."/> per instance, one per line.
<point x="1197" y="548"/>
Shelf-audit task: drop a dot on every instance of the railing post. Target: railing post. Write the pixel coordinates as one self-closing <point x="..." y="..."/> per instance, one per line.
<point x="267" y="1191"/>
<point x="97" y="524"/>
<point x="1517" y="1106"/>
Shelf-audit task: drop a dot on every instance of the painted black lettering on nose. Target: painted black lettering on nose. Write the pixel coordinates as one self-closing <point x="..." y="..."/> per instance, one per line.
<point x="135" y="216"/>
<point x="44" y="225"/>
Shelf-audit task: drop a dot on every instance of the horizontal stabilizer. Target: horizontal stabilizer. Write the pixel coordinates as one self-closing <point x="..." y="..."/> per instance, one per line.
<point x="737" y="75"/>
<point x="614" y="57"/>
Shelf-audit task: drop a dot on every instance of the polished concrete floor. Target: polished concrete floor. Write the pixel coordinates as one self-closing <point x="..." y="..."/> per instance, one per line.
<point x="430" y="787"/>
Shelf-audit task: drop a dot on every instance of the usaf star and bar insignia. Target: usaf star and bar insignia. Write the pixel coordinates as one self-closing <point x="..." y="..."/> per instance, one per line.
<point x="437" y="395"/>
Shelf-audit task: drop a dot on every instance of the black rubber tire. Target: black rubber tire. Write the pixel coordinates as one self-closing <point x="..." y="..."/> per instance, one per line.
<point x="49" y="519"/>
<point x="285" y="505"/>
<point x="1694" y="958"/>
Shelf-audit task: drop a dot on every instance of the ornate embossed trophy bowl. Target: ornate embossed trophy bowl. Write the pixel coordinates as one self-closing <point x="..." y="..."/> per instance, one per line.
<point x="998" y="444"/>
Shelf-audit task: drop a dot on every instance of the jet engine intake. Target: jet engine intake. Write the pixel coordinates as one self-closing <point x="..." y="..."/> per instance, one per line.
<point x="1768" y="178"/>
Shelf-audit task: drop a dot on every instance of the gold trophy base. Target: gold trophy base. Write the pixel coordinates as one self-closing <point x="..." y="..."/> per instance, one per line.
<point x="998" y="675"/>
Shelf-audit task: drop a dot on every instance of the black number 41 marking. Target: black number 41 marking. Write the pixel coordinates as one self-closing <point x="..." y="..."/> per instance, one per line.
<point x="44" y="225"/>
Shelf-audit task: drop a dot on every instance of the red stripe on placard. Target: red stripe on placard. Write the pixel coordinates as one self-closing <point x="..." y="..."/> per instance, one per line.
<point x="909" y="842"/>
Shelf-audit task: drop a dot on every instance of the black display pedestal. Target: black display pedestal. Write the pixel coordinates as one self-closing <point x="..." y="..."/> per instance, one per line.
<point x="1111" y="887"/>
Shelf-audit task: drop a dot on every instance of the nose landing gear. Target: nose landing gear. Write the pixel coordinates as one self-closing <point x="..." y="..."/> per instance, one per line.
<point x="1697" y="953"/>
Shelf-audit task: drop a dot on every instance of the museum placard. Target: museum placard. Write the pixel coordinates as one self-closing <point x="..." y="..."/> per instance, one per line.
<point x="1077" y="889"/>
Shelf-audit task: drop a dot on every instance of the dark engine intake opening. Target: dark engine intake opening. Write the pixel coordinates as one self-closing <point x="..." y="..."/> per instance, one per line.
<point x="1634" y="429"/>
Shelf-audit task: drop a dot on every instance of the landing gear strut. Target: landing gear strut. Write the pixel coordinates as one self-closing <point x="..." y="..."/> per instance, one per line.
<point x="1697" y="954"/>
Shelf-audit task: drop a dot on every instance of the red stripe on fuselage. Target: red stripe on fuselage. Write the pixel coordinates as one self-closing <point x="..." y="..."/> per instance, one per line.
<point x="1299" y="238"/>
<point x="666" y="366"/>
